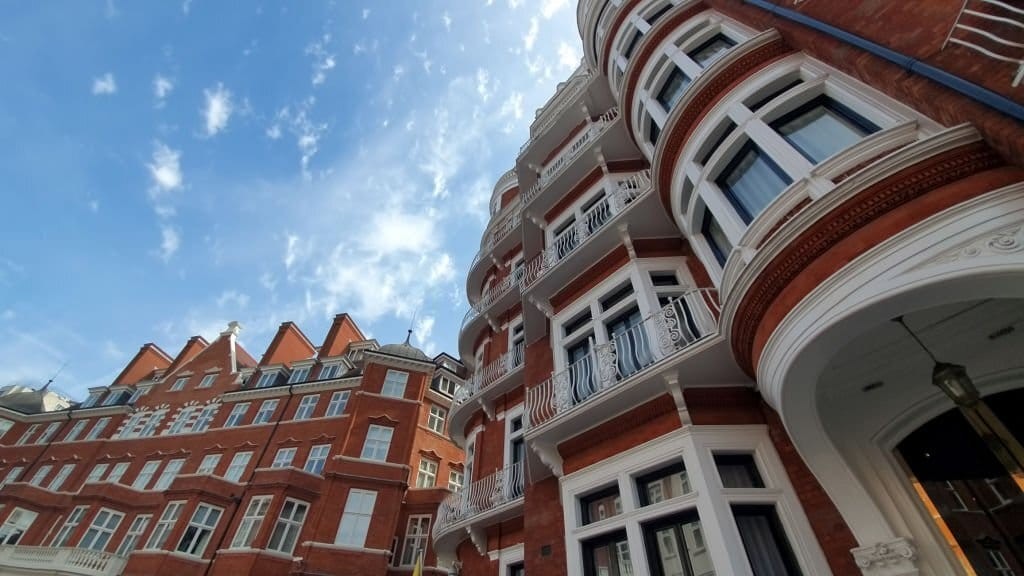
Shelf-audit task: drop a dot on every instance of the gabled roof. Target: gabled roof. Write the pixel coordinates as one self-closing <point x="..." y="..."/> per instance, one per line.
<point x="149" y="358"/>
<point x="343" y="331"/>
<point x="192" y="348"/>
<point x="288" y="345"/>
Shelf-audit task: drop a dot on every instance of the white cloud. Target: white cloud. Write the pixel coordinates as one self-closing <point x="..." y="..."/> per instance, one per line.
<point x="531" y="35"/>
<point x="513" y="4"/>
<point x="218" y="109"/>
<point x="94" y="206"/>
<point x="186" y="6"/>
<point x="366" y="13"/>
<point x="291" y="251"/>
<point x="233" y="298"/>
<point x="323" y="61"/>
<point x="164" y="170"/>
<point x="549" y="7"/>
<point x="568" y="57"/>
<point x="170" y="242"/>
<point x="442" y="270"/>
<point x="392" y="231"/>
<point x="274" y="132"/>
<point x="104" y="85"/>
<point x="447" y="21"/>
<point x="162" y="88"/>
<point x="421" y="333"/>
<point x="483" y="78"/>
<point x="307" y="132"/>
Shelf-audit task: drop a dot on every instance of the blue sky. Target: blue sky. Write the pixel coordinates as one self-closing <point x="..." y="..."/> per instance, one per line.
<point x="170" y="167"/>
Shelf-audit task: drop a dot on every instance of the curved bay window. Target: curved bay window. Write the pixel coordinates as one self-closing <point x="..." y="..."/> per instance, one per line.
<point x="975" y="500"/>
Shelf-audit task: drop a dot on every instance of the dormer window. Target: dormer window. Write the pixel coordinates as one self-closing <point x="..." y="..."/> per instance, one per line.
<point x="93" y="398"/>
<point x="116" y="397"/>
<point x="444" y="385"/>
<point x="207" y="381"/>
<point x="179" y="384"/>
<point x="299" y="375"/>
<point x="330" y="371"/>
<point x="267" y="379"/>
<point x="138" y="393"/>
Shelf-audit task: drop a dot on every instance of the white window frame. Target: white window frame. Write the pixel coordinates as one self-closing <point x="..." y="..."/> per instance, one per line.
<point x="339" y="400"/>
<point x="146" y="473"/>
<point x="12" y="475"/>
<point x="181" y="422"/>
<point x="317" y="459"/>
<point x="26" y="435"/>
<point x="266" y="412"/>
<point x="61" y="477"/>
<point x="283" y="458"/>
<point x="355" y="520"/>
<point x="417" y="538"/>
<point x="208" y="465"/>
<point x="267" y="379"/>
<point x="117" y="472"/>
<point x="456" y="480"/>
<point x="330" y="371"/>
<point x="306" y="407"/>
<point x="237" y="415"/>
<point x="372" y="447"/>
<point x="97" y="473"/>
<point x="76" y="430"/>
<point x="252" y="521"/>
<point x="299" y="375"/>
<point x="40" y="474"/>
<point x="70" y="523"/>
<point x="165" y="525"/>
<point x="199" y="530"/>
<point x="169" y="473"/>
<point x="135" y="531"/>
<point x="101" y="530"/>
<point x="721" y="537"/>
<point x="5" y="426"/>
<point x="205" y="418"/>
<point x="207" y="381"/>
<point x="288" y="527"/>
<point x="97" y="428"/>
<point x="48" y="432"/>
<point x="14" y="527"/>
<point x="426" y="475"/>
<point x="179" y="384"/>
<point x="435" y="421"/>
<point x="236" y="468"/>
<point x="395" y="383"/>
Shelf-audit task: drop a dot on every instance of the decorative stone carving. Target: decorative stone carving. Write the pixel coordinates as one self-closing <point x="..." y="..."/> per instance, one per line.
<point x="1001" y="242"/>
<point x="892" y="558"/>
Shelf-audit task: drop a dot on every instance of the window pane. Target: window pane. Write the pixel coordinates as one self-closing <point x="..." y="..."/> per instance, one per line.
<point x="672" y="89"/>
<point x="675" y="546"/>
<point x="709" y="51"/>
<point x="765" y="542"/>
<point x="751" y="181"/>
<point x="738" y="471"/>
<point x="822" y="127"/>
<point x="601" y="505"/>
<point x="663" y="484"/>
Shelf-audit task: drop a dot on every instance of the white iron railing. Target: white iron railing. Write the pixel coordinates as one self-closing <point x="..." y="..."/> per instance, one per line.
<point x="570" y="152"/>
<point x="487" y="375"/>
<point x="502" y="487"/>
<point x="626" y="191"/>
<point x="988" y="24"/>
<point x="681" y="323"/>
<point x="551" y="111"/>
<point x="61" y="560"/>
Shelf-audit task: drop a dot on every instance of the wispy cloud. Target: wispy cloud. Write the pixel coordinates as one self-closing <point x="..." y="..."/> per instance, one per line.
<point x="323" y="61"/>
<point x="104" y="85"/>
<point x="162" y="88"/>
<point x="170" y="242"/>
<point x="164" y="170"/>
<point x="531" y="35"/>
<point x="550" y="7"/>
<point x="218" y="109"/>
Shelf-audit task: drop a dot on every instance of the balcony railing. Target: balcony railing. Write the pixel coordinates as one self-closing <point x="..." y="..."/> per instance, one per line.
<point x="988" y="28"/>
<point x="594" y="219"/>
<point x="496" y="370"/>
<point x="554" y="108"/>
<point x="570" y="152"/>
<point x="680" y="324"/>
<point x="61" y="560"/>
<point x="504" y="486"/>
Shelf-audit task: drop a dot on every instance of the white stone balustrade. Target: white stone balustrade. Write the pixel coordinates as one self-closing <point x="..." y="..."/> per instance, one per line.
<point x="61" y="560"/>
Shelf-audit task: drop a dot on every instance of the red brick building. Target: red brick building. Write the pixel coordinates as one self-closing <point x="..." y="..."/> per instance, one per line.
<point x="682" y="348"/>
<point x="316" y="459"/>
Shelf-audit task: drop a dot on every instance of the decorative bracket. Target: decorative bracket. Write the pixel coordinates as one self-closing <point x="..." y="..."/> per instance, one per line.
<point x="627" y="241"/>
<point x="487" y="407"/>
<point x="549" y="455"/>
<point x="676" y="390"/>
<point x="478" y="537"/>
<point x="892" y="558"/>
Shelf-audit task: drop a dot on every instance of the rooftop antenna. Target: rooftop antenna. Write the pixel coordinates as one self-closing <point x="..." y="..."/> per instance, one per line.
<point x="54" y="377"/>
<point x="411" y="323"/>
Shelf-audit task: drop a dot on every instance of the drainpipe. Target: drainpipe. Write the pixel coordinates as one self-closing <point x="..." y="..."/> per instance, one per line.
<point x="914" y="66"/>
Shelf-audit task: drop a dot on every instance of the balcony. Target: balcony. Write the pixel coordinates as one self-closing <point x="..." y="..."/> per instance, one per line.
<point x="487" y="501"/>
<point x="481" y="390"/>
<point x="46" y="560"/>
<point x="680" y="341"/>
<point x="556" y="107"/>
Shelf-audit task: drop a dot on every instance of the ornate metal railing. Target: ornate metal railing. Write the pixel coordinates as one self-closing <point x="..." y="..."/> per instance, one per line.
<point x="487" y="375"/>
<point x="683" y="322"/>
<point x="502" y="487"/>
<point x="570" y="152"/>
<point x="596" y="217"/>
<point x="988" y="28"/>
<point x="61" y="560"/>
<point x="551" y="111"/>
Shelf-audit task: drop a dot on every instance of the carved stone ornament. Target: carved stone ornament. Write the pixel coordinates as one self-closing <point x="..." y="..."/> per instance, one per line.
<point x="1001" y="242"/>
<point x="892" y="558"/>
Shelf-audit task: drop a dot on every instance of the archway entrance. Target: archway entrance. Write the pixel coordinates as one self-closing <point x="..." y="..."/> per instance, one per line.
<point x="974" y="500"/>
